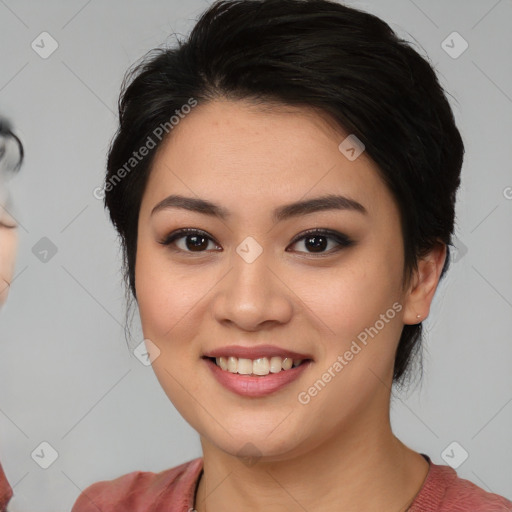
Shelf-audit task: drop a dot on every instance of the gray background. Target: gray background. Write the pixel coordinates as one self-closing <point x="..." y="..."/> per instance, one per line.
<point x="67" y="376"/>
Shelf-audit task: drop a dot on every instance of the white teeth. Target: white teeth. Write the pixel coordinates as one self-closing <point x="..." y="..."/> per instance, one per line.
<point x="260" y="366"/>
<point x="232" y="364"/>
<point x="244" y="366"/>
<point x="287" y="363"/>
<point x="275" y="364"/>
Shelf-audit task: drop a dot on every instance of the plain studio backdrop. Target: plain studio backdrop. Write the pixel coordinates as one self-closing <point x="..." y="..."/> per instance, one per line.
<point x="69" y="379"/>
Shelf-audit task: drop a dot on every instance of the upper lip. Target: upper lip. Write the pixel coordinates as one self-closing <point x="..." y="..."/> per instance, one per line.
<point x="255" y="352"/>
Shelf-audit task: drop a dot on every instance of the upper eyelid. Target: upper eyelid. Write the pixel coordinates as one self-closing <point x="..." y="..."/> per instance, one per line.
<point x="320" y="231"/>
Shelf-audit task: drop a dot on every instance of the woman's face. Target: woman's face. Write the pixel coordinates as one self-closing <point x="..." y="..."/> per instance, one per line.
<point x="8" y="244"/>
<point x="254" y="278"/>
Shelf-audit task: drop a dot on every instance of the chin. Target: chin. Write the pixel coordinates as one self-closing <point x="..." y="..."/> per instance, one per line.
<point x="257" y="441"/>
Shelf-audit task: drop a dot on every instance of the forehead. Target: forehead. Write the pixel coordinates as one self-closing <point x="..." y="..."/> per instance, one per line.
<point x="245" y="154"/>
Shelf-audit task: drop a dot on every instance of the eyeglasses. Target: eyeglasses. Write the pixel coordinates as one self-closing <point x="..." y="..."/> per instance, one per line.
<point x="11" y="149"/>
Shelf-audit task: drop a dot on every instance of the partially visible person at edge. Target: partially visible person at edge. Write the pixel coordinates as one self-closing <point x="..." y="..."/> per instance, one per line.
<point x="11" y="157"/>
<point x="283" y="183"/>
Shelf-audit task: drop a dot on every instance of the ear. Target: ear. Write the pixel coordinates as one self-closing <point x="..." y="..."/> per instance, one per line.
<point x="423" y="284"/>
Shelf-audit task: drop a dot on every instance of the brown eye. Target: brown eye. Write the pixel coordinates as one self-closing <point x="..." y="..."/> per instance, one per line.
<point x="317" y="241"/>
<point x="196" y="242"/>
<point x="189" y="240"/>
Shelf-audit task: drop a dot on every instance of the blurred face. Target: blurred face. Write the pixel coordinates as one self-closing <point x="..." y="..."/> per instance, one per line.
<point x="269" y="278"/>
<point x="8" y="243"/>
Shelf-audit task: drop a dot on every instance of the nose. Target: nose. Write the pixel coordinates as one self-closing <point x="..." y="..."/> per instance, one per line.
<point x="253" y="295"/>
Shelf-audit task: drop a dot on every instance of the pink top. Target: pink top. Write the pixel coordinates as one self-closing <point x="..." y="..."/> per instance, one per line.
<point x="173" y="490"/>
<point x="5" y="491"/>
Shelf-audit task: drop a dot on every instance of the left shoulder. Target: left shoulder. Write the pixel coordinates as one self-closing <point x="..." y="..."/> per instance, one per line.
<point x="444" y="491"/>
<point x="464" y="495"/>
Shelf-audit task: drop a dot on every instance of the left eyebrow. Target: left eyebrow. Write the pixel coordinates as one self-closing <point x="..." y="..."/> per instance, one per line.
<point x="328" y="202"/>
<point x="287" y="211"/>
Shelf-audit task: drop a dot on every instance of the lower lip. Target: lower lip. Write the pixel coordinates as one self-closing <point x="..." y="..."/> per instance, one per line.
<point x="250" y="386"/>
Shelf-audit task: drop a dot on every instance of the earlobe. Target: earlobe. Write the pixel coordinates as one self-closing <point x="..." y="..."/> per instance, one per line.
<point x="423" y="285"/>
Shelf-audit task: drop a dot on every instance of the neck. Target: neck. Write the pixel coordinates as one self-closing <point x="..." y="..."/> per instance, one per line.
<point x="354" y="469"/>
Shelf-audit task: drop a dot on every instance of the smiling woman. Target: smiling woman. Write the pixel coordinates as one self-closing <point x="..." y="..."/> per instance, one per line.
<point x="285" y="240"/>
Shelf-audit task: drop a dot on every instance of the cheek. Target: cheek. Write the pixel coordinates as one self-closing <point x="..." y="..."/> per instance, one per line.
<point x="170" y="310"/>
<point x="8" y="244"/>
<point x="354" y="295"/>
<point x="360" y="307"/>
<point x="168" y="296"/>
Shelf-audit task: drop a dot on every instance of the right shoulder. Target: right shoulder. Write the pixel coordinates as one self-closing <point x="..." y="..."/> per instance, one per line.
<point x="142" y="490"/>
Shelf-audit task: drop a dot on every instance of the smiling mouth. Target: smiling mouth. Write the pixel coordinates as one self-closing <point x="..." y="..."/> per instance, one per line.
<point x="259" y="367"/>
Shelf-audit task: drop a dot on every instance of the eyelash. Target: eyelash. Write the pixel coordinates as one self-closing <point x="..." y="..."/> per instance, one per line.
<point x="343" y="240"/>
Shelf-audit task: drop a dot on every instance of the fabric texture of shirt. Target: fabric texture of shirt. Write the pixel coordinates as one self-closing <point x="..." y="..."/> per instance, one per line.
<point x="5" y="491"/>
<point x="174" y="490"/>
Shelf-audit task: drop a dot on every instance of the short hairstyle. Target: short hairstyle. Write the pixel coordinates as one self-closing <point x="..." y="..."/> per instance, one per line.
<point x="341" y="61"/>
